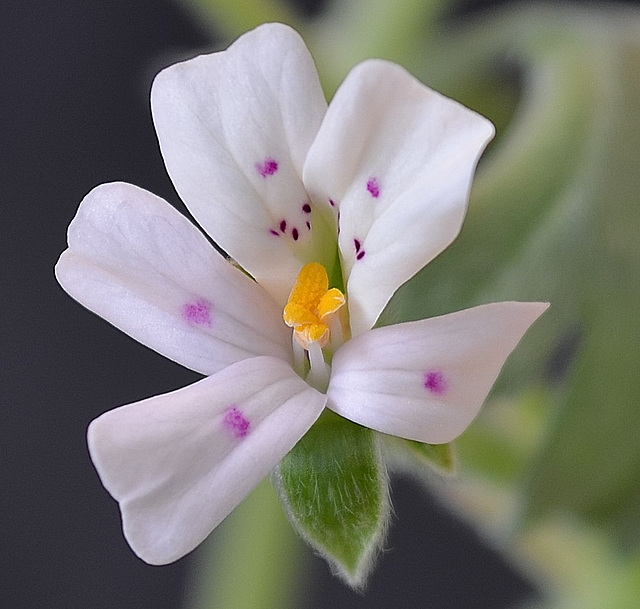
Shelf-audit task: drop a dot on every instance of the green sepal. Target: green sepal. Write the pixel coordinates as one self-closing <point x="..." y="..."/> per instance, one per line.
<point x="334" y="486"/>
<point x="420" y="457"/>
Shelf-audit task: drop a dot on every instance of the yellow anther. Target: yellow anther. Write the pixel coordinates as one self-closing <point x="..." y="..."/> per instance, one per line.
<point x="296" y="315"/>
<point x="330" y="302"/>
<point x="310" y="305"/>
<point x="313" y="333"/>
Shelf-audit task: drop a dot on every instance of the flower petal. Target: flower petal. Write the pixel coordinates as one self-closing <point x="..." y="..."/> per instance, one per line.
<point x="398" y="159"/>
<point x="426" y="380"/>
<point x="140" y="264"/>
<point x="179" y="463"/>
<point x="234" y="128"/>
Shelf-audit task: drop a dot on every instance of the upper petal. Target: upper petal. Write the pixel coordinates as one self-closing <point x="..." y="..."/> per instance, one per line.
<point x="136" y="261"/>
<point x="179" y="463"/>
<point x="234" y="128"/>
<point x="398" y="159"/>
<point x="426" y="380"/>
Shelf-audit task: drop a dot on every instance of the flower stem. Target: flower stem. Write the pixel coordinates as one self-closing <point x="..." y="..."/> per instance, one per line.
<point x="252" y="560"/>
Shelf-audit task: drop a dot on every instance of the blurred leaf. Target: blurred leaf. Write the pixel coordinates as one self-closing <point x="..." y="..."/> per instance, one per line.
<point x="498" y="446"/>
<point x="334" y="487"/>
<point x="555" y="216"/>
<point x="581" y="568"/>
<point x="517" y="242"/>
<point x="420" y="457"/>
<point x="591" y="461"/>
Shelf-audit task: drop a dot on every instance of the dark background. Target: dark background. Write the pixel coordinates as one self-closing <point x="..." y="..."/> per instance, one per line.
<point x="74" y="112"/>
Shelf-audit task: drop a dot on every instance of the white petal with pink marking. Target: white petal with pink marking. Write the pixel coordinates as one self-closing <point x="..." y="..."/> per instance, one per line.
<point x="179" y="463"/>
<point x="234" y="128"/>
<point x="136" y="261"/>
<point x="426" y="380"/>
<point x="398" y="159"/>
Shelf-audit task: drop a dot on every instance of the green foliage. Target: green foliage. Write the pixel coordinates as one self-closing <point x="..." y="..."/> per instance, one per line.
<point x="334" y="487"/>
<point x="422" y="458"/>
<point x="554" y="216"/>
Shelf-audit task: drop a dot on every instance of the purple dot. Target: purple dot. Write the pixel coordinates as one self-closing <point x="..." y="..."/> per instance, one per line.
<point x="198" y="313"/>
<point x="332" y="203"/>
<point x="357" y="245"/>
<point x="360" y="255"/>
<point x="373" y="187"/>
<point x="275" y="232"/>
<point x="306" y="208"/>
<point x="236" y="422"/>
<point x="283" y="226"/>
<point x="294" y="234"/>
<point x="267" y="168"/>
<point x="434" y="382"/>
<point x="309" y="225"/>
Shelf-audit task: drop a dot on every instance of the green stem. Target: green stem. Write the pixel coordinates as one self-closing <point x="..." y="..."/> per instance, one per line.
<point x="252" y="560"/>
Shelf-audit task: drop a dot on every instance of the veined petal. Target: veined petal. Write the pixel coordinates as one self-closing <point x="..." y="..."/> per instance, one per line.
<point x="398" y="159"/>
<point x="234" y="128"/>
<point x="140" y="264"/>
<point x="426" y="380"/>
<point x="179" y="463"/>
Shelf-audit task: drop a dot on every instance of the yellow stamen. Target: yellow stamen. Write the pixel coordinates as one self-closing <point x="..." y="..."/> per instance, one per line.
<point x="311" y="304"/>
<point x="330" y="302"/>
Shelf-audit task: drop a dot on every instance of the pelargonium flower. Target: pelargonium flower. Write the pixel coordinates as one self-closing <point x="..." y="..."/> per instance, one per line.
<point x="326" y="212"/>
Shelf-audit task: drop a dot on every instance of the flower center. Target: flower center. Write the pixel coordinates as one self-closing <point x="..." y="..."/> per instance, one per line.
<point x="311" y="312"/>
<point x="311" y="306"/>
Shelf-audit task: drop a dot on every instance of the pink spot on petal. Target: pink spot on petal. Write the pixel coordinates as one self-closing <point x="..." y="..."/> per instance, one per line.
<point x="373" y="187"/>
<point x="275" y="232"/>
<point x="434" y="382"/>
<point x="198" y="313"/>
<point x="306" y="208"/>
<point x="283" y="226"/>
<point x="357" y="245"/>
<point x="236" y="422"/>
<point x="360" y="255"/>
<point x="309" y="225"/>
<point x="294" y="234"/>
<point x="267" y="168"/>
<point x="332" y="203"/>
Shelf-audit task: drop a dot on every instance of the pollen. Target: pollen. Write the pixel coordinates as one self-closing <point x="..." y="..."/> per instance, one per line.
<point x="311" y="305"/>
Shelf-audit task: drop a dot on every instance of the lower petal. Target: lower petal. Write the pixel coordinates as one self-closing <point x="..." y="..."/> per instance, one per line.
<point x="426" y="380"/>
<point x="179" y="463"/>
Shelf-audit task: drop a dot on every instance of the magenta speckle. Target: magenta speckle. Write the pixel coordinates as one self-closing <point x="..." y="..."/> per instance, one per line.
<point x="373" y="187"/>
<point x="332" y="203"/>
<point x="198" y="313"/>
<point x="275" y="232"/>
<point x="236" y="422"/>
<point x="283" y="226"/>
<point x="309" y="225"/>
<point x="306" y="208"/>
<point x="360" y="255"/>
<point x="434" y="382"/>
<point x="267" y="168"/>
<point x="357" y="245"/>
<point x="294" y="234"/>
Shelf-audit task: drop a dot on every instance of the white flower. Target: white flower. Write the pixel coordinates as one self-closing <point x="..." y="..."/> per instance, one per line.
<point x="271" y="174"/>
